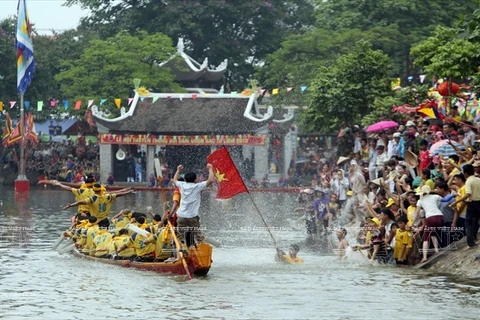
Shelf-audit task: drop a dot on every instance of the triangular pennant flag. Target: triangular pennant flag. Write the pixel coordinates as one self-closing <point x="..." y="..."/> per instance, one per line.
<point x="206" y="94"/>
<point x="102" y="101"/>
<point x="194" y="96"/>
<point x="142" y="98"/>
<point x="130" y="100"/>
<point x="39" y="105"/>
<point x="154" y="99"/>
<point x="90" y="102"/>
<point x="53" y="103"/>
<point x="410" y="78"/>
<point x="65" y="104"/>
<point x="118" y="103"/>
<point x="303" y="88"/>
<point x="289" y="89"/>
<point x="422" y="78"/>
<point x="169" y="97"/>
<point x="233" y="93"/>
<point x="27" y="104"/>
<point x="181" y="98"/>
<point x="275" y="91"/>
<point x="12" y="103"/>
<point x="1" y="105"/>
<point x="262" y="91"/>
<point x="78" y="104"/>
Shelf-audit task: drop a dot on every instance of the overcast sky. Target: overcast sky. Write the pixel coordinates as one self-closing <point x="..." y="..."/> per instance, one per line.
<point x="46" y="14"/>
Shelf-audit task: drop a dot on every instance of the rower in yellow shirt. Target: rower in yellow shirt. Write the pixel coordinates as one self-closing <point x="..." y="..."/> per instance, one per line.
<point x="144" y="252"/>
<point x="291" y="258"/>
<point x="100" y="204"/>
<point x="118" y="242"/>
<point x="88" y="235"/>
<point x="101" y="243"/>
<point x="121" y="220"/>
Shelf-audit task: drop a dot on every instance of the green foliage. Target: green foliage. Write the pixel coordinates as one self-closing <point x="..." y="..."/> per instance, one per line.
<point x="445" y="54"/>
<point x="107" y="68"/>
<point x="344" y="92"/>
<point x="242" y="32"/>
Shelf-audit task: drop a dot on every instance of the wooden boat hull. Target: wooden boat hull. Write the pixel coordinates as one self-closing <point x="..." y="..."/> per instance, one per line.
<point x="195" y="267"/>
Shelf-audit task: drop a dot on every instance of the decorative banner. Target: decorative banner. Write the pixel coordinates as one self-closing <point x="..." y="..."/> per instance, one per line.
<point x="303" y="88"/>
<point x="102" y="101"/>
<point x="130" y="100"/>
<point x="12" y="103"/>
<point x="78" y="104"/>
<point x="289" y="89"/>
<point x="203" y="140"/>
<point x="181" y="98"/>
<point x="275" y="91"/>
<point x="65" y="104"/>
<point x="154" y="99"/>
<point x="39" y="105"/>
<point x="27" y="104"/>
<point x="422" y="78"/>
<point x="1" y="105"/>
<point x="410" y="78"/>
<point x="118" y="103"/>
<point x="194" y="96"/>
<point x="142" y="98"/>
<point x="262" y="91"/>
<point x="90" y="102"/>
<point x="53" y="103"/>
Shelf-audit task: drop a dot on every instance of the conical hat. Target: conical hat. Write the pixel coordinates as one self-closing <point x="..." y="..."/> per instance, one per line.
<point x="411" y="158"/>
<point x="378" y="181"/>
<point x="341" y="159"/>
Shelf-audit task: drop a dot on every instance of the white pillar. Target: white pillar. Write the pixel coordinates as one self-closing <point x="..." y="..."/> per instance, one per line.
<point x="261" y="157"/>
<point x="290" y="146"/>
<point x="106" y="161"/>
<point x="150" y="160"/>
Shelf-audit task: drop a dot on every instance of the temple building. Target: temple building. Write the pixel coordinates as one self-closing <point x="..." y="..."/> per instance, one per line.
<point x="184" y="128"/>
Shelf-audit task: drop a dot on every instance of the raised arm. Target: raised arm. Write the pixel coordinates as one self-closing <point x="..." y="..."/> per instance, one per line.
<point x="211" y="175"/>
<point x="75" y="204"/>
<point x="124" y="192"/>
<point x="120" y="213"/>
<point x="177" y="174"/>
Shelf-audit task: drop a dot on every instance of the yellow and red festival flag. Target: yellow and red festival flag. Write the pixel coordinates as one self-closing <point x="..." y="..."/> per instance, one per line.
<point x="24" y="46"/>
<point x="16" y="134"/>
<point x="229" y="181"/>
<point x="7" y="130"/>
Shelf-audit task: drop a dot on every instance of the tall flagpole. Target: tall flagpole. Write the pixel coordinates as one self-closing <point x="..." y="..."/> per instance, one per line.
<point x="21" y="171"/>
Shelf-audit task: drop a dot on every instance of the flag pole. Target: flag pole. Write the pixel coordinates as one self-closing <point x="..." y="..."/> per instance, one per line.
<point x="263" y="219"/>
<point x="21" y="172"/>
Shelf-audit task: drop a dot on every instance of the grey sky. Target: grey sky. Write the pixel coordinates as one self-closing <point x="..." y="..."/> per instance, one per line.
<point x="46" y="14"/>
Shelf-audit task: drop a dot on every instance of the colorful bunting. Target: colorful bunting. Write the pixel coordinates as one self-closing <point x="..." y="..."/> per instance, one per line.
<point x="142" y="98"/>
<point x="303" y="88"/>
<point x="39" y="105"/>
<point x="262" y="91"/>
<point x="422" y="78"/>
<point x="90" y="102"/>
<point x="12" y="103"/>
<point x="154" y="99"/>
<point x="289" y="89"/>
<point x="194" y="96"/>
<point x="53" y="103"/>
<point x="78" y="104"/>
<point x="1" y="105"/>
<point x="130" y="100"/>
<point x="65" y="104"/>
<point x="102" y="101"/>
<point x="27" y="104"/>
<point x="118" y="103"/>
<point x="275" y="91"/>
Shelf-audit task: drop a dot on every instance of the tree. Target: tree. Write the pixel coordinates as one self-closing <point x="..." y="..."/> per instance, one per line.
<point x="107" y="67"/>
<point x="243" y="32"/>
<point x="344" y="92"/>
<point x="8" y="71"/>
<point x="445" y="54"/>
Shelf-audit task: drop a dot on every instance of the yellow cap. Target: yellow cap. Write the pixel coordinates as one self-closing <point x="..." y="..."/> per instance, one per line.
<point x="390" y="203"/>
<point x="349" y="193"/>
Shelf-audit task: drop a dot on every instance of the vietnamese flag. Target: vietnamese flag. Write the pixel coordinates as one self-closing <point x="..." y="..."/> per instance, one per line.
<point x="229" y="181"/>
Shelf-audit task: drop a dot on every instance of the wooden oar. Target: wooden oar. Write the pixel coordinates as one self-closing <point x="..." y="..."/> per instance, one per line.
<point x="58" y="241"/>
<point x="172" y="230"/>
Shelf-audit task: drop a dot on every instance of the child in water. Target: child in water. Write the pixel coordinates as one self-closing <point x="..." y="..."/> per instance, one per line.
<point x="342" y="243"/>
<point x="291" y="258"/>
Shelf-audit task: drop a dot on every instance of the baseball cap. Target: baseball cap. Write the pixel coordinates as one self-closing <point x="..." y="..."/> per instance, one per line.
<point x="390" y="203"/>
<point x="410" y="124"/>
<point x="374" y="220"/>
<point x="397" y="135"/>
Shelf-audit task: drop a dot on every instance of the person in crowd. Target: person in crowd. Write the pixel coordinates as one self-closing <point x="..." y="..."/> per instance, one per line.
<point x="443" y="190"/>
<point x="403" y="242"/>
<point x="458" y="223"/>
<point x="130" y="167"/>
<point x="339" y="186"/>
<point x="342" y="244"/>
<point x="187" y="215"/>
<point x="291" y="257"/>
<point x="110" y="179"/>
<point x="372" y="160"/>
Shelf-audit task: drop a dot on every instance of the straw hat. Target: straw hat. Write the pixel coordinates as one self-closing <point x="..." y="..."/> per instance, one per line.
<point x="423" y="191"/>
<point x="378" y="181"/>
<point x="341" y="160"/>
<point x="411" y="158"/>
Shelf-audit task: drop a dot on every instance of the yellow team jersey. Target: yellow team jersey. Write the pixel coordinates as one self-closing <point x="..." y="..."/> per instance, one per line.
<point x="410" y="212"/>
<point x="89" y="235"/>
<point x="461" y="194"/>
<point x="101" y="243"/>
<point x="119" y="241"/>
<point x="286" y="258"/>
<point x="136" y="241"/>
<point x="403" y="241"/>
<point x="368" y="237"/>
<point x="153" y="226"/>
<point x="177" y="197"/>
<point x="430" y="183"/>
<point x="163" y="245"/>
<point x="120" y="223"/>
<point x="100" y="205"/>
<point x="82" y="194"/>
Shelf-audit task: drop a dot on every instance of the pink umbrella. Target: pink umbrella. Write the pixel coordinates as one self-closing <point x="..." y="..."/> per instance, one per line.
<point x="382" y="125"/>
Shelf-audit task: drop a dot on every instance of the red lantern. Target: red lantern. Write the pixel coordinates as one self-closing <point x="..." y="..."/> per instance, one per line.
<point x="443" y="88"/>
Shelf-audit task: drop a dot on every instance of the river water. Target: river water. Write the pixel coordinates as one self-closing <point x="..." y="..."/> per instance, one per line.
<point x="244" y="282"/>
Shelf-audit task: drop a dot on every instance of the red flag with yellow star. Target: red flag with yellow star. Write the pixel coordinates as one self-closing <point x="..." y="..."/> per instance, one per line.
<point x="229" y="181"/>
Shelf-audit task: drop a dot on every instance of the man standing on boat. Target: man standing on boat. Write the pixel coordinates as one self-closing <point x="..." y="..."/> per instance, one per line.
<point x="187" y="214"/>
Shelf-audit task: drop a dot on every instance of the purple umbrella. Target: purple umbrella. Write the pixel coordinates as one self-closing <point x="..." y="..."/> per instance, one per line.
<point x="382" y="125"/>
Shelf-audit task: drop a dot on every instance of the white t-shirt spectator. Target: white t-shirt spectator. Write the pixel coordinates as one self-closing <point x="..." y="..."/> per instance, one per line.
<point x="190" y="201"/>
<point x="431" y="204"/>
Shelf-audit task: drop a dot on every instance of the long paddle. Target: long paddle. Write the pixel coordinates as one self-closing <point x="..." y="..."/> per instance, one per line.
<point x="170" y="226"/>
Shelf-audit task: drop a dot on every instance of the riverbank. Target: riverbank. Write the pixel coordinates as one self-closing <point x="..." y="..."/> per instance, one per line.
<point x="458" y="260"/>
